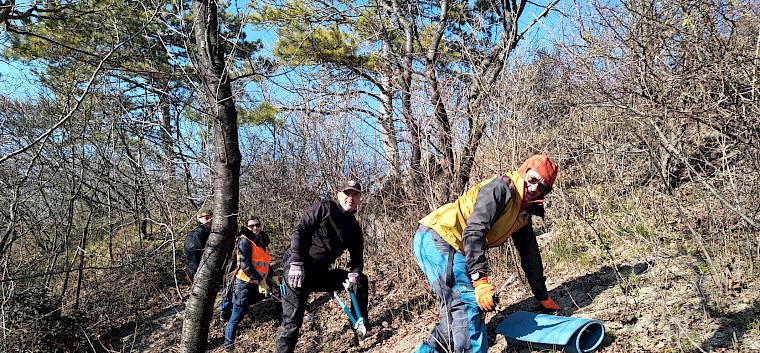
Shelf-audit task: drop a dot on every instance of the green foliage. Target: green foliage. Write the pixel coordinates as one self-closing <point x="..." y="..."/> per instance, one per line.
<point x="264" y="113"/>
<point x="305" y="40"/>
<point x="566" y="248"/>
<point x="632" y="280"/>
<point x="195" y="116"/>
<point x="641" y="230"/>
<point x="753" y="326"/>
<point x="702" y="268"/>
<point x="448" y="52"/>
<point x="610" y="206"/>
<point x="151" y="48"/>
<point x="88" y="30"/>
<point x="320" y="45"/>
<point x="684" y="345"/>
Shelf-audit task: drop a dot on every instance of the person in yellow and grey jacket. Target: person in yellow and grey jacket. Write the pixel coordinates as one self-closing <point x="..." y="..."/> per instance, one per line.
<point x="253" y="269"/>
<point x="450" y="247"/>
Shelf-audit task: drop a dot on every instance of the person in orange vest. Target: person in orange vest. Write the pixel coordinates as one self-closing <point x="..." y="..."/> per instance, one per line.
<point x="450" y="248"/>
<point x="253" y="268"/>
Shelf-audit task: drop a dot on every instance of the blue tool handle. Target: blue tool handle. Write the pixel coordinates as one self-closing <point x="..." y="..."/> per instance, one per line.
<point x="356" y="305"/>
<point x="345" y="308"/>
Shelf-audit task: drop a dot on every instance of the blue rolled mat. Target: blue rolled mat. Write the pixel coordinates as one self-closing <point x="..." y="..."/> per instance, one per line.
<point x="540" y="331"/>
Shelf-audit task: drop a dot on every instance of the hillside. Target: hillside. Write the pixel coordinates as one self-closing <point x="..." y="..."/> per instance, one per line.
<point x="121" y="120"/>
<point x="647" y="305"/>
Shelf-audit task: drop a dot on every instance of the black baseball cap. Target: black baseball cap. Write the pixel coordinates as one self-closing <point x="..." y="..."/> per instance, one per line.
<point x="351" y="185"/>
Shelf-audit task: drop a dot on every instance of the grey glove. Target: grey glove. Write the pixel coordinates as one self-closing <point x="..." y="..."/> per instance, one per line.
<point x="352" y="282"/>
<point x="295" y="274"/>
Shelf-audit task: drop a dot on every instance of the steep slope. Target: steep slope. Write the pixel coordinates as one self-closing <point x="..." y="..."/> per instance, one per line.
<point x="647" y="306"/>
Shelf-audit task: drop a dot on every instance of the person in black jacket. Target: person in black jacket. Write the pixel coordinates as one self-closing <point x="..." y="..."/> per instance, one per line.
<point x="326" y="229"/>
<point x="195" y="242"/>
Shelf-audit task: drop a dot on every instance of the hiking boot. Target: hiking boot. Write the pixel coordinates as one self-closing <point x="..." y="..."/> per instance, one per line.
<point x="229" y="347"/>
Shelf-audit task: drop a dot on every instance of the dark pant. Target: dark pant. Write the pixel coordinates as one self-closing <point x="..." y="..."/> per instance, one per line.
<point x="245" y="294"/>
<point x="294" y="301"/>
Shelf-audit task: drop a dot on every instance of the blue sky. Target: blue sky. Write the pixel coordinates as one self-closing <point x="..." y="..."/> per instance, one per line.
<point x="17" y="81"/>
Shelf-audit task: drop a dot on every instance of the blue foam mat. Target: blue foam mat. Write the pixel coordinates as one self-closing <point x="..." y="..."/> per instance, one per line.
<point x="570" y="334"/>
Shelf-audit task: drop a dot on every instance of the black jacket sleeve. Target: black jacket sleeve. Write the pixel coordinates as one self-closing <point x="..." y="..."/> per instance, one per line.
<point x="245" y="251"/>
<point x="356" y="253"/>
<point x="491" y="201"/>
<point x="300" y="239"/>
<point x="193" y="251"/>
<point x="271" y="272"/>
<point x="530" y="260"/>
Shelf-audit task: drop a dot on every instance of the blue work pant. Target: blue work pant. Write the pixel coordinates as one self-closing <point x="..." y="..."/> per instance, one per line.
<point x="461" y="327"/>
<point x="245" y="295"/>
<point x="238" y="311"/>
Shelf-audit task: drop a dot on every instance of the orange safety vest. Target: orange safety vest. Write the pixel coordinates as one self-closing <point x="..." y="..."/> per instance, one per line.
<point x="260" y="260"/>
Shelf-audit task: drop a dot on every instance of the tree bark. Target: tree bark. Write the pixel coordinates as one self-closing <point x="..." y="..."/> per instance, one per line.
<point x="487" y="73"/>
<point x="388" y="130"/>
<point x="436" y="100"/>
<point x="217" y="90"/>
<point x="406" y="106"/>
<point x="166" y="137"/>
<point x="82" y="247"/>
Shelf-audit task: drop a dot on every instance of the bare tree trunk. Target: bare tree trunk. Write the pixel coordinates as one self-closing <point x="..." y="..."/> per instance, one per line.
<point x="82" y="247"/>
<point x="406" y="108"/>
<point x="388" y="131"/>
<point x="67" y="263"/>
<point x="393" y="8"/>
<point x="436" y="100"/>
<point x="111" y="227"/>
<point x="218" y="93"/>
<point x="166" y="137"/>
<point x="488" y="71"/>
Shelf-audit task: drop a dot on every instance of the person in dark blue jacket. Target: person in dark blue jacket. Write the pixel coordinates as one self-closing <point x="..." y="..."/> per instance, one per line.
<point x="195" y="242"/>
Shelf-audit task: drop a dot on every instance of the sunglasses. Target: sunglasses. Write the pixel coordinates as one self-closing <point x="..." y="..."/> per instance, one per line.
<point x="542" y="188"/>
<point x="255" y="225"/>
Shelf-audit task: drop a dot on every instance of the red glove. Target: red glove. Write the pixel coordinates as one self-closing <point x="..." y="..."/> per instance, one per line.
<point x="549" y="304"/>
<point x="484" y="293"/>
